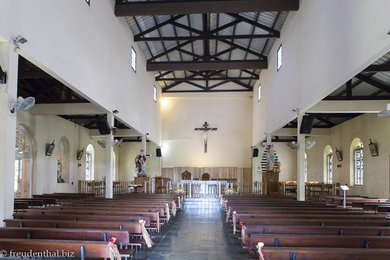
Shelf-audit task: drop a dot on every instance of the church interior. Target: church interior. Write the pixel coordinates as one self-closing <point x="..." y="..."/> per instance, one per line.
<point x="220" y="129"/>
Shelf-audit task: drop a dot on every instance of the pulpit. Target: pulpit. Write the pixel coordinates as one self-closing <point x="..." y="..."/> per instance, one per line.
<point x="271" y="183"/>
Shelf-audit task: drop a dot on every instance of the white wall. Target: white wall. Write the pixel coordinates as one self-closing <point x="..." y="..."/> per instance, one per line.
<point x="229" y="146"/>
<point x="325" y="43"/>
<point x="376" y="169"/>
<point x="88" y="49"/>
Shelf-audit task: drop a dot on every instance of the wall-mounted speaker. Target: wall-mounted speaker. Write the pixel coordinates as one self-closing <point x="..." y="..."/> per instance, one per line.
<point x="306" y="125"/>
<point x="255" y="152"/>
<point x="102" y="125"/>
<point x="158" y="152"/>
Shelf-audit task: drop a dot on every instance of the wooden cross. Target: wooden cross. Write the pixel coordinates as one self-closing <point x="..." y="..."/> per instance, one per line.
<point x="205" y="130"/>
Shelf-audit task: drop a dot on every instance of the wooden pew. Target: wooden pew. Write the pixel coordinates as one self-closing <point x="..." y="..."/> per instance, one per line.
<point x="299" y="240"/>
<point x="150" y="217"/>
<point x="375" y="207"/>
<point x="316" y="253"/>
<point x="315" y="222"/>
<point x="248" y="231"/>
<point x="73" y="217"/>
<point x="245" y="217"/>
<point x="133" y="228"/>
<point x="122" y="237"/>
<point x="55" y="248"/>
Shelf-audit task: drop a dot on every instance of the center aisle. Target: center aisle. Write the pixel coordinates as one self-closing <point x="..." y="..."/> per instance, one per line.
<point x="199" y="233"/>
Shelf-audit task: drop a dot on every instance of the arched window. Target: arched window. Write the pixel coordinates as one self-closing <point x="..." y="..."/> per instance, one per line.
<point x="357" y="155"/>
<point x="89" y="163"/>
<point x="328" y="164"/>
<point x="23" y="163"/>
<point x="63" y="161"/>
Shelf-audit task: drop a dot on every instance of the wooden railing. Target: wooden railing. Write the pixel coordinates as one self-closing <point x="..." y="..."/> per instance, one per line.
<point x="99" y="187"/>
<point x="313" y="190"/>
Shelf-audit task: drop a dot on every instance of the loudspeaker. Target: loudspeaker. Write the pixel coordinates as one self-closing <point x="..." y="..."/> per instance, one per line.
<point x="158" y="152"/>
<point x="306" y="125"/>
<point x="255" y="152"/>
<point x="103" y="127"/>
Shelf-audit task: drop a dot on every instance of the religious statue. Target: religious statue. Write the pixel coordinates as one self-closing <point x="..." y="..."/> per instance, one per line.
<point x="140" y="164"/>
<point x="59" y="172"/>
<point x="270" y="159"/>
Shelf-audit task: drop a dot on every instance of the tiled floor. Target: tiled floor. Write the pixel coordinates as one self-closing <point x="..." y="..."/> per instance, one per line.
<point x="198" y="233"/>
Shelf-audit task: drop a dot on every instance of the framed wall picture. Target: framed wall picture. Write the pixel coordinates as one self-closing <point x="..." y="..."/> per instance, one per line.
<point x="373" y="148"/>
<point x="339" y="155"/>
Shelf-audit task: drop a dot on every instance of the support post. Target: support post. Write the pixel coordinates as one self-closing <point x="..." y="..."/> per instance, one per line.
<point x="9" y="62"/>
<point x="109" y="158"/>
<point x="300" y="161"/>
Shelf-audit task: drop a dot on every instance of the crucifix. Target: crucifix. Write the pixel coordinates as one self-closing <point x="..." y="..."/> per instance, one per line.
<point x="205" y="130"/>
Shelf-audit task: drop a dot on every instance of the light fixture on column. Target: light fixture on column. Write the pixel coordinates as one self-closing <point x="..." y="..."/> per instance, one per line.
<point x="18" y="40"/>
<point x="3" y="76"/>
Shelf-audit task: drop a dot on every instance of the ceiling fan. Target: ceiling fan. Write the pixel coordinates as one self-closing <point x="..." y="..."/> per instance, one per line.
<point x="385" y="113"/>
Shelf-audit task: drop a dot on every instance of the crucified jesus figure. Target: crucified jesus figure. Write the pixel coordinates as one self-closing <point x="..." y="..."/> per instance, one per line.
<point x="205" y="130"/>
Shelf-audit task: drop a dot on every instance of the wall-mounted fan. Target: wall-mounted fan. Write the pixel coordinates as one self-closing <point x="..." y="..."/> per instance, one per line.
<point x="293" y="145"/>
<point x="21" y="104"/>
<point x="385" y="113"/>
<point x="309" y="144"/>
<point x="117" y="142"/>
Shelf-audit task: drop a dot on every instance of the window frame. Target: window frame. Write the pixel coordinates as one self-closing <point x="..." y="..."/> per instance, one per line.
<point x="358" y="169"/>
<point x="279" y="57"/>
<point x="133" y="59"/>
<point x="259" y="93"/>
<point x="329" y="168"/>
<point x="154" y="93"/>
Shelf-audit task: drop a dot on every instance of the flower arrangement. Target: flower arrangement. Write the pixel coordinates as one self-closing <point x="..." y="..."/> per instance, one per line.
<point x="180" y="190"/>
<point x="229" y="191"/>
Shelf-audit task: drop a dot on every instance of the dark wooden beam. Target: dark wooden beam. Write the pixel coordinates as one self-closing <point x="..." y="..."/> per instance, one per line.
<point x="211" y="90"/>
<point x="378" y="68"/>
<point x="339" y="98"/>
<point x="205" y="37"/>
<point x="142" y="8"/>
<point x="320" y="116"/>
<point x="212" y="79"/>
<point x="157" y="26"/>
<point x="207" y="65"/>
<point x="373" y="82"/>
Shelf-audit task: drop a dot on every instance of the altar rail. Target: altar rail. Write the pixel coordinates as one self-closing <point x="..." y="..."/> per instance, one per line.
<point x="99" y="187"/>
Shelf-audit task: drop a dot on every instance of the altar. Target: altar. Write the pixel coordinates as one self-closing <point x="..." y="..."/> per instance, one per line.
<point x="198" y="188"/>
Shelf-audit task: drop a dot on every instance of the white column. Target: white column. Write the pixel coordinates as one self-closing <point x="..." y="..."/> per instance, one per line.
<point x="300" y="161"/>
<point x="109" y="158"/>
<point x="9" y="64"/>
